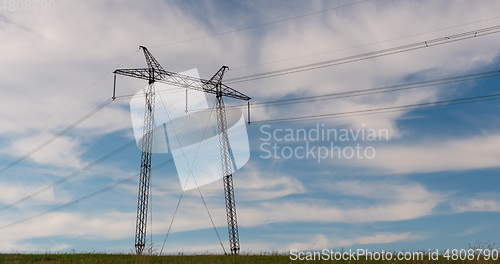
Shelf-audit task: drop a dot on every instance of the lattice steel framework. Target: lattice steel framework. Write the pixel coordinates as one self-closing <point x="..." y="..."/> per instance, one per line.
<point x="156" y="73"/>
<point x="145" y="173"/>
<point x="227" y="162"/>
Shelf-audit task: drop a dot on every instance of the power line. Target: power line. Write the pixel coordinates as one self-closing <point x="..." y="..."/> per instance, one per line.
<point x="359" y="57"/>
<point x="90" y="195"/>
<point x="62" y="132"/>
<point x="370" y="91"/>
<point x="68" y="177"/>
<point x="462" y="100"/>
<point x="170" y="90"/>
<point x="238" y="68"/>
<point x="56" y="136"/>
<point x="370" y="55"/>
<point x="394" y="87"/>
<point x="378" y="90"/>
<point x="180" y="89"/>
<point x="75" y="201"/>
<point x="354" y="58"/>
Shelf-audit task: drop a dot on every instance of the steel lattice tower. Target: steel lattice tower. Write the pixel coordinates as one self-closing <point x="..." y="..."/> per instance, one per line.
<point x="227" y="162"/>
<point x="145" y="173"/>
<point x="155" y="73"/>
<point x="146" y="146"/>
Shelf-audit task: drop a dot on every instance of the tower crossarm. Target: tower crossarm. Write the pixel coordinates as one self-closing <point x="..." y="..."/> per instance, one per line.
<point x="183" y="81"/>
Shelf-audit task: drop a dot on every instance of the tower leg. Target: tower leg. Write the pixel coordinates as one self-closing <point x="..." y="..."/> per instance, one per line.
<point x="145" y="173"/>
<point x="232" y="223"/>
<point x="225" y="149"/>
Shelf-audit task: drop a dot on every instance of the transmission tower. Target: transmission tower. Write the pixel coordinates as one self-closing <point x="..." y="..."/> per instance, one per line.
<point x="227" y="163"/>
<point x="155" y="73"/>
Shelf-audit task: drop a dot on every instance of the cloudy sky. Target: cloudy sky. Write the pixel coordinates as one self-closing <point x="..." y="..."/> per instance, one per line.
<point x="433" y="182"/>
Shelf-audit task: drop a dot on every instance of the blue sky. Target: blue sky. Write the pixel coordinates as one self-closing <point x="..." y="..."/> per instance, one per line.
<point x="433" y="184"/>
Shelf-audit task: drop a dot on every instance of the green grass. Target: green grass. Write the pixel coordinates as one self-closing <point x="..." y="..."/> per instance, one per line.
<point x="194" y="259"/>
<point x="108" y="259"/>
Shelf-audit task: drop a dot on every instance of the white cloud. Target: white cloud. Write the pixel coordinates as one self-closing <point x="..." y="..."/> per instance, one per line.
<point x="12" y="193"/>
<point x="105" y="226"/>
<point x="319" y="242"/>
<point x="250" y="182"/>
<point x="253" y="185"/>
<point x="325" y="212"/>
<point x="303" y="242"/>
<point x="482" y="203"/>
<point x="346" y="31"/>
<point x="378" y="238"/>
<point x="444" y="155"/>
<point x="52" y="47"/>
<point x="63" y="151"/>
<point x="388" y="202"/>
<point x="396" y="203"/>
<point x="256" y="186"/>
<point x="69" y="74"/>
<point x="386" y="191"/>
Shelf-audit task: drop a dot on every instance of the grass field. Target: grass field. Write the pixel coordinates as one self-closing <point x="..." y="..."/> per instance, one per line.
<point x="212" y="259"/>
